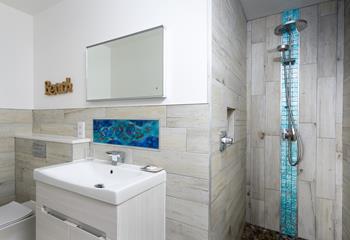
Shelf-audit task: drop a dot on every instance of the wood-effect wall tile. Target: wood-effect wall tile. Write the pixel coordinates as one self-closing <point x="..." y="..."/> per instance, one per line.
<point x="273" y="67"/>
<point x="327" y="8"/>
<point x="258" y="30"/>
<point x="324" y="219"/>
<point x="258" y="212"/>
<point x="258" y="68"/>
<point x="308" y="93"/>
<point x="272" y="209"/>
<point x="258" y="114"/>
<point x="309" y="36"/>
<point x="187" y="116"/>
<point x="272" y="163"/>
<point x="188" y="188"/>
<point x="188" y="212"/>
<point x="307" y="167"/>
<point x="326" y="109"/>
<point x="173" y="139"/>
<point x="182" y="163"/>
<point x="306" y="210"/>
<point x="258" y="173"/>
<point x="327" y="46"/>
<point x="179" y="231"/>
<point x="325" y="168"/>
<point x="144" y="112"/>
<point x="273" y="108"/>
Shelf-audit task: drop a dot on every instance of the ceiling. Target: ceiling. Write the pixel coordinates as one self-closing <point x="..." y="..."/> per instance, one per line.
<point x="252" y="8"/>
<point x="31" y="7"/>
<point x="261" y="8"/>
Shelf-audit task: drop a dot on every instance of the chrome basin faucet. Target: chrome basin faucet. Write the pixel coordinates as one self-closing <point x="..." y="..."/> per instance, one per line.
<point x="117" y="156"/>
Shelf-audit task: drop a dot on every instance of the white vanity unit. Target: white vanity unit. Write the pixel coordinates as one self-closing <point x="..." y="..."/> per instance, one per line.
<point x="93" y="200"/>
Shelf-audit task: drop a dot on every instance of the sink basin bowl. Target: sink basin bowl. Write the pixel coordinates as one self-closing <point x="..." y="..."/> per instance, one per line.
<point x="100" y="180"/>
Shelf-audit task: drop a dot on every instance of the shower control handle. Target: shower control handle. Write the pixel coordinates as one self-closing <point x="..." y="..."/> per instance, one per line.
<point x="289" y="134"/>
<point x="225" y="141"/>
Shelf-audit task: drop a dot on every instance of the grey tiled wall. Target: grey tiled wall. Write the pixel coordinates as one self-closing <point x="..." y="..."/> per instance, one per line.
<point x="184" y="153"/>
<point x="228" y="94"/>
<point x="25" y="162"/>
<point x="321" y="83"/>
<point x="11" y="122"/>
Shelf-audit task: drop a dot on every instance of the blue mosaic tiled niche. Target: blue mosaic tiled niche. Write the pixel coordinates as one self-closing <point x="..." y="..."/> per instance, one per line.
<point x="135" y="133"/>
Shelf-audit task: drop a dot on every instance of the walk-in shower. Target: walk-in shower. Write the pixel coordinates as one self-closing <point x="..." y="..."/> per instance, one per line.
<point x="291" y="141"/>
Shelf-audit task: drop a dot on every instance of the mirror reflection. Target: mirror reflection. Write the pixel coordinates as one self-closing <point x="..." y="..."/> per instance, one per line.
<point x="126" y="68"/>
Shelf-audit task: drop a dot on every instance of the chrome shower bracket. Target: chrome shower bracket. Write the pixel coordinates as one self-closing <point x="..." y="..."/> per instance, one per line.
<point x="225" y="141"/>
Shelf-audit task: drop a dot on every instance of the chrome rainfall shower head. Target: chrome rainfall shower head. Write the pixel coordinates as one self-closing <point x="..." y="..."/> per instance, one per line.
<point x="287" y="27"/>
<point x="283" y="48"/>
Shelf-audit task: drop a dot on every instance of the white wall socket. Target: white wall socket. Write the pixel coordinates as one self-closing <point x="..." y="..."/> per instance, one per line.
<point x="81" y="130"/>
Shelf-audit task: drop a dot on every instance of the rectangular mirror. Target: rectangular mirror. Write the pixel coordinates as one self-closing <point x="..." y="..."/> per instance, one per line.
<point x="129" y="67"/>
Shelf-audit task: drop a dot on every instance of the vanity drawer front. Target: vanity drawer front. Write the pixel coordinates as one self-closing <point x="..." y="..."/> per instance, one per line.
<point x="78" y="234"/>
<point x="49" y="227"/>
<point x="78" y="207"/>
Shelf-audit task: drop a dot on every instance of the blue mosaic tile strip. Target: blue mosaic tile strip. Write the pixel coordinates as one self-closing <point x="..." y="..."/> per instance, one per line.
<point x="135" y="133"/>
<point x="288" y="174"/>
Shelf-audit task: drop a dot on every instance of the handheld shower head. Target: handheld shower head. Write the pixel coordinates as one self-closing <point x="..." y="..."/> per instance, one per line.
<point x="287" y="27"/>
<point x="283" y="48"/>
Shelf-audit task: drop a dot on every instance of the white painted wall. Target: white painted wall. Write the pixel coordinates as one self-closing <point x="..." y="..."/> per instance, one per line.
<point x="16" y="59"/>
<point x="62" y="32"/>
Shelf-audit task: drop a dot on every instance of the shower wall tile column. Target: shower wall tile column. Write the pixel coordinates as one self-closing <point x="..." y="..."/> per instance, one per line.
<point x="329" y="94"/>
<point x="263" y="181"/>
<point x="308" y="124"/>
<point x="321" y="80"/>
<point x="338" y="204"/>
<point x="346" y="126"/>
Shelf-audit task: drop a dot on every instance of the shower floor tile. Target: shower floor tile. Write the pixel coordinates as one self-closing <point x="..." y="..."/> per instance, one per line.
<point x="252" y="232"/>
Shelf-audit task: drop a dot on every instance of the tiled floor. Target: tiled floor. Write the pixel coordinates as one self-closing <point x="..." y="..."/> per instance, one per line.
<point x="252" y="232"/>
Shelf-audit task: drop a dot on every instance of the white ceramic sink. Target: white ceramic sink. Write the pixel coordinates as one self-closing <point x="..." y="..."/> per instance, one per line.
<point x="120" y="182"/>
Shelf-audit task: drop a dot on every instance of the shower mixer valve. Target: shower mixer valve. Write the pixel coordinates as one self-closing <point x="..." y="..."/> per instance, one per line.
<point x="289" y="134"/>
<point x="225" y="141"/>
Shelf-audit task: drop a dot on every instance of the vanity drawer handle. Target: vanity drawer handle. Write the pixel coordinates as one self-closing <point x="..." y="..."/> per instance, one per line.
<point x="90" y="233"/>
<point x="81" y="233"/>
<point x="46" y="211"/>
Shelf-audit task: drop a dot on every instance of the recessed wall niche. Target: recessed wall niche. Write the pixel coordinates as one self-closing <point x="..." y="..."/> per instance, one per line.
<point x="231" y="122"/>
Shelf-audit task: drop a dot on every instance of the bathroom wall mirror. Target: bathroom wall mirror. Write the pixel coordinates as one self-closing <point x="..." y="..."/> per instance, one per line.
<point x="129" y="67"/>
